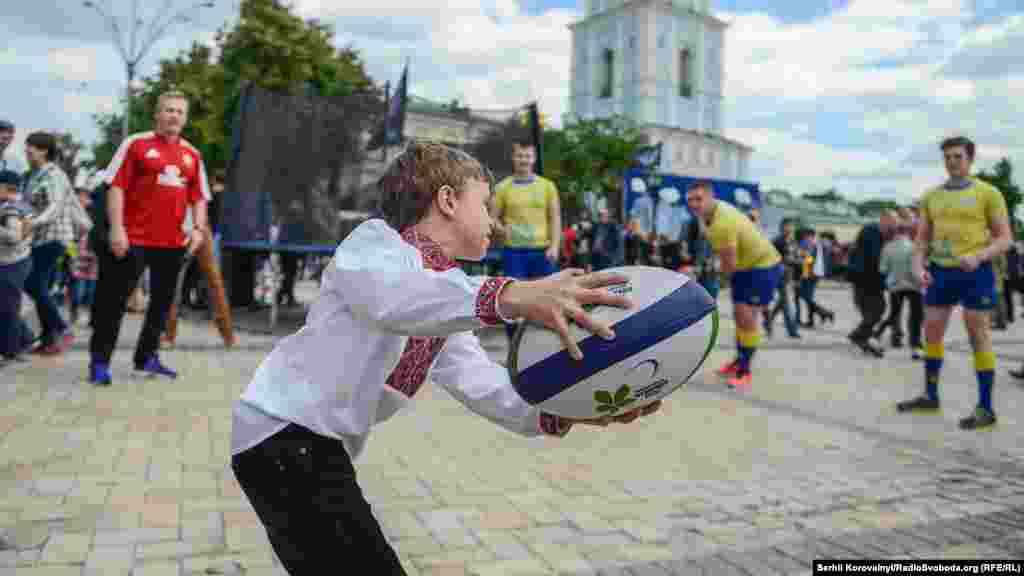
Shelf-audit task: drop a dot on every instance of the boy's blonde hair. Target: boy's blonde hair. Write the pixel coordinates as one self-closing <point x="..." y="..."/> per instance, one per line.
<point x="411" y="182"/>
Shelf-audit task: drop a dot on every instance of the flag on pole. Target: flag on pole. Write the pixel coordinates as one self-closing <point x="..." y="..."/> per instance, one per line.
<point x="536" y="136"/>
<point x="391" y="130"/>
<point x="648" y="157"/>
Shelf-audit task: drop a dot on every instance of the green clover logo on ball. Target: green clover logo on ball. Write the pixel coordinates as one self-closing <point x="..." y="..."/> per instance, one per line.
<point x="612" y="404"/>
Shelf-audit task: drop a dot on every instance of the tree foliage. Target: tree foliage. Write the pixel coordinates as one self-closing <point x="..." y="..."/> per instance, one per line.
<point x="876" y="206"/>
<point x="830" y="195"/>
<point x="1001" y="176"/>
<point x="591" y="156"/>
<point x="271" y="47"/>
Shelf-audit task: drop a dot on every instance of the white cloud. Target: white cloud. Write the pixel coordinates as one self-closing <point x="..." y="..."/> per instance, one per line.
<point x="74" y="64"/>
<point x="877" y="76"/>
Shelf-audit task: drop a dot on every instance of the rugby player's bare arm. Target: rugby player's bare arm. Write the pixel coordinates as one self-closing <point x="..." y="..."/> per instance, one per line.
<point x="1001" y="239"/>
<point x="727" y="260"/>
<point x="554" y="228"/>
<point x="921" y="244"/>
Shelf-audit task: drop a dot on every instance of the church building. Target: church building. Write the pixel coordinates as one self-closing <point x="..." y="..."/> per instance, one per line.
<point x="660" y="63"/>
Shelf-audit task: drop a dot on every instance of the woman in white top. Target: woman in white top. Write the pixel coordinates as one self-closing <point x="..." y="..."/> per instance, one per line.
<point x="393" y="308"/>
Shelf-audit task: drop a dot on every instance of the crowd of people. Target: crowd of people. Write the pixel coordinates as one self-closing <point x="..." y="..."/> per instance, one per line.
<point x="952" y="249"/>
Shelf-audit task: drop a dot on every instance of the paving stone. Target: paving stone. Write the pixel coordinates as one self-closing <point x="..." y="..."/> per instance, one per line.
<point x="612" y="570"/>
<point x="857" y="548"/>
<point x="882" y="542"/>
<point x="796" y="551"/>
<point x="777" y="560"/>
<point x="649" y="569"/>
<point x="686" y="567"/>
<point x="999" y="529"/>
<point x="718" y="566"/>
<point x="556" y="534"/>
<point x="822" y="548"/>
<point x="979" y="530"/>
<point x="109" y="561"/>
<point x="1008" y="519"/>
<point x="906" y="540"/>
<point x="165" y="568"/>
<point x="605" y="540"/>
<point x="749" y="563"/>
<point x="54" y="486"/>
<point x="27" y="536"/>
<point x="952" y="533"/>
<point x="504" y="545"/>
<point x="522" y="567"/>
<point x="66" y="549"/>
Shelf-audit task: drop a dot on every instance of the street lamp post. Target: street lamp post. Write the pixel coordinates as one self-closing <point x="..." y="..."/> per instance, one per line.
<point x="141" y="38"/>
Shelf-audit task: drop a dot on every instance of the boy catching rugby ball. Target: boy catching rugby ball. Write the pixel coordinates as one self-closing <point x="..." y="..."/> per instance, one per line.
<point x="394" y="308"/>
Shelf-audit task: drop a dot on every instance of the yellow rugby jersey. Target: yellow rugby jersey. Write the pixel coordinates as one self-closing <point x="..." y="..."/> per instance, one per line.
<point x="525" y="207"/>
<point x="961" y="220"/>
<point x="730" y="227"/>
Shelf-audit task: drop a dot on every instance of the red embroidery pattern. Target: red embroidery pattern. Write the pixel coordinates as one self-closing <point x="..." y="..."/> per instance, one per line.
<point x="553" y="425"/>
<point x="416" y="359"/>
<point x="487" y="301"/>
<point x="420" y="351"/>
<point x="433" y="257"/>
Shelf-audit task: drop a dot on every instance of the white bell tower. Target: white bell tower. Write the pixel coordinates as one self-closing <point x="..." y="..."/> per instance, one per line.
<point x="661" y="63"/>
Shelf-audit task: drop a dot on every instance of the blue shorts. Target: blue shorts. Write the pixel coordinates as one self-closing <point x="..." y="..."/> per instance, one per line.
<point x="526" y="263"/>
<point x="951" y="286"/>
<point x="757" y="286"/>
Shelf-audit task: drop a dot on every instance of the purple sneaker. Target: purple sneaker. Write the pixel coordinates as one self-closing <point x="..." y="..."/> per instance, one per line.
<point x="99" y="374"/>
<point x="153" y="367"/>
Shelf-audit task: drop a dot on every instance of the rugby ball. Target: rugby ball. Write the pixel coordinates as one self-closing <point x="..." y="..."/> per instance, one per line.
<point x="659" y="345"/>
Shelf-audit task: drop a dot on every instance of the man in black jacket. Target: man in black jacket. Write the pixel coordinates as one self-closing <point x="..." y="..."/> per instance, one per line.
<point x="868" y="282"/>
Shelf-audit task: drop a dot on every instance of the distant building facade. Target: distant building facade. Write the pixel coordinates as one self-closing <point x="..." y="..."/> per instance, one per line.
<point x="660" y="63"/>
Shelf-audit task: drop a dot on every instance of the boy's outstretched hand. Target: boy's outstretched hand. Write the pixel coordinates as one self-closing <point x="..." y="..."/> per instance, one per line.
<point x="550" y="301"/>
<point x="624" y="418"/>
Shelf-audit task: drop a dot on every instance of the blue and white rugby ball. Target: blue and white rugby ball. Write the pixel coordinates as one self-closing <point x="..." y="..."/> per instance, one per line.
<point x="659" y="344"/>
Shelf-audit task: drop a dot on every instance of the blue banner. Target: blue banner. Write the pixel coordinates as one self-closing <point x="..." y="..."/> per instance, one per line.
<point x="658" y="201"/>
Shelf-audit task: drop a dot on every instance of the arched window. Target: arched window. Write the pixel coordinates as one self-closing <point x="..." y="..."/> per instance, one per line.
<point x="685" y="73"/>
<point x="607" y="73"/>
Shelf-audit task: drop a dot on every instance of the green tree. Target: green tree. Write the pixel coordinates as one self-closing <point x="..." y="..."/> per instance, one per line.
<point x="830" y="195"/>
<point x="275" y="49"/>
<point x="271" y="47"/>
<point x="876" y="206"/>
<point x="591" y="155"/>
<point x="1001" y="176"/>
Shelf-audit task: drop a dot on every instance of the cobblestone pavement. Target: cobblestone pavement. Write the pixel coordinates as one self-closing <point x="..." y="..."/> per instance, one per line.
<point x="813" y="463"/>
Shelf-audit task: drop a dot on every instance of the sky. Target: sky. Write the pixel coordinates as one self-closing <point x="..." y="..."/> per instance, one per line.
<point x="851" y="94"/>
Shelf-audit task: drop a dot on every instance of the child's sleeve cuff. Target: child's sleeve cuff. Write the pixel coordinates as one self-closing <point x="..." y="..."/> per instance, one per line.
<point x="553" y="425"/>
<point x="487" y="309"/>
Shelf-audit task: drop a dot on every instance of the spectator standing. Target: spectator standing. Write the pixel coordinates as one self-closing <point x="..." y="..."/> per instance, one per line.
<point x="155" y="179"/>
<point x="55" y="213"/>
<point x="15" y="264"/>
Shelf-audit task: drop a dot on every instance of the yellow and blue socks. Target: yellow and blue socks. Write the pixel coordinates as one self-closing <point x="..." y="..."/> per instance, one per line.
<point x="985" y="368"/>
<point x="746" y="345"/>
<point x="933" y="356"/>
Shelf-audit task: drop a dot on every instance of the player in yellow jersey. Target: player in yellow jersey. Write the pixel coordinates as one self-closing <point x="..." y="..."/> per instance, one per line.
<point x="529" y="217"/>
<point x="753" y="263"/>
<point x="964" y="225"/>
